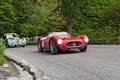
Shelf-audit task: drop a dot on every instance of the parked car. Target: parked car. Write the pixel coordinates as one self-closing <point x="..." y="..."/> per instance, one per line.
<point x="13" y="40"/>
<point x="63" y="41"/>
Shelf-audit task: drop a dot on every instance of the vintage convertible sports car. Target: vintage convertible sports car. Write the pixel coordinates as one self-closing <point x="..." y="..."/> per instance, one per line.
<point x="13" y="40"/>
<point x="56" y="41"/>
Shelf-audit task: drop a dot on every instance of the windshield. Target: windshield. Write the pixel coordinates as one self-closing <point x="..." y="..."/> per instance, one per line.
<point x="60" y="34"/>
<point x="9" y="36"/>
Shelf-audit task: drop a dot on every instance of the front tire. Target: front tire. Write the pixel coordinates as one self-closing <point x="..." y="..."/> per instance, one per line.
<point x="23" y="45"/>
<point x="53" y="48"/>
<point x="84" y="49"/>
<point x="39" y="46"/>
<point x="16" y="46"/>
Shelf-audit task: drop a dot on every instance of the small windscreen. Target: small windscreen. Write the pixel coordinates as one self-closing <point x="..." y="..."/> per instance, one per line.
<point x="9" y="36"/>
<point x="60" y="34"/>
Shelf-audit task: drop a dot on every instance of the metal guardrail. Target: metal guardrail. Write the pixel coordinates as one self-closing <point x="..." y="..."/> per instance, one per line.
<point x="115" y="41"/>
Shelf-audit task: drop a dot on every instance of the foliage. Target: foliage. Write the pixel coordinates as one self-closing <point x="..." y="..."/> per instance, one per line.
<point x="55" y="20"/>
<point x="68" y="9"/>
<point x="31" y="30"/>
<point x="113" y="12"/>
<point x="16" y="14"/>
<point x="91" y="12"/>
<point x="112" y="16"/>
<point x="2" y="48"/>
<point x="100" y="35"/>
<point x="7" y="16"/>
<point x="29" y="12"/>
<point x="30" y="17"/>
<point x="91" y="20"/>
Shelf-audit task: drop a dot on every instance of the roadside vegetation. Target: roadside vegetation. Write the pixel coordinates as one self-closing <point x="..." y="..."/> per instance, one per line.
<point x="99" y="19"/>
<point x="2" y="57"/>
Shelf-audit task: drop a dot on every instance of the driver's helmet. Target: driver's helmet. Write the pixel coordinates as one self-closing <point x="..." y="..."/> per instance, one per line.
<point x="48" y="32"/>
<point x="58" y="30"/>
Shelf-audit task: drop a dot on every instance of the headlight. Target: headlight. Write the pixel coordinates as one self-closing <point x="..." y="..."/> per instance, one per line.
<point x="59" y="41"/>
<point x="86" y="40"/>
<point x="9" y="40"/>
<point x="24" y="40"/>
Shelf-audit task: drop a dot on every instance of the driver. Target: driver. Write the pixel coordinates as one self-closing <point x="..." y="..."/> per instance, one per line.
<point x="45" y="37"/>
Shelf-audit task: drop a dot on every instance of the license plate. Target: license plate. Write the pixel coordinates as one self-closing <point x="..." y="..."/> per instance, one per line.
<point x="73" y="49"/>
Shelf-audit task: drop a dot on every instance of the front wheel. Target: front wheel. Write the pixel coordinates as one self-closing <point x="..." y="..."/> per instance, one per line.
<point x="39" y="46"/>
<point x="23" y="45"/>
<point x="84" y="49"/>
<point x="53" y="48"/>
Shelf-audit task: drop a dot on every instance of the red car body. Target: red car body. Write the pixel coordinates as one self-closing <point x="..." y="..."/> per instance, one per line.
<point x="63" y="41"/>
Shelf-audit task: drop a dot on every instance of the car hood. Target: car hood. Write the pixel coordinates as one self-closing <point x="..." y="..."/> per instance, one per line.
<point x="11" y="38"/>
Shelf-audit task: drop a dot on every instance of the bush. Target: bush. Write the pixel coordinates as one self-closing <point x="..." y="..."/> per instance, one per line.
<point x="2" y="48"/>
<point x="106" y="35"/>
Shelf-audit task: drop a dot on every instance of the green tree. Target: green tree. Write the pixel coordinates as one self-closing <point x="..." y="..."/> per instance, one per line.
<point x="68" y="8"/>
<point x="7" y="16"/>
<point x="29" y="13"/>
<point x="90" y="14"/>
<point x="55" y="20"/>
<point x="112" y="16"/>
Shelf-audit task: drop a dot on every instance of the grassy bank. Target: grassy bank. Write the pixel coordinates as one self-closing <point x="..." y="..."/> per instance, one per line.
<point x="2" y="48"/>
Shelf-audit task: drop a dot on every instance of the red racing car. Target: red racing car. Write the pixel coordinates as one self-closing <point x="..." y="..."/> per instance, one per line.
<point x="56" y="41"/>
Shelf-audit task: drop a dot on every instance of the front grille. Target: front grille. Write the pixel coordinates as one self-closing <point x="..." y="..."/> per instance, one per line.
<point x="73" y="44"/>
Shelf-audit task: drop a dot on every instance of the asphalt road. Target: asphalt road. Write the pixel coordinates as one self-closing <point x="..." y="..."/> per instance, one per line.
<point x="99" y="62"/>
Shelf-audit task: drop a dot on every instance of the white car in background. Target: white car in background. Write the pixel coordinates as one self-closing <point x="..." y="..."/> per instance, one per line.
<point x="13" y="40"/>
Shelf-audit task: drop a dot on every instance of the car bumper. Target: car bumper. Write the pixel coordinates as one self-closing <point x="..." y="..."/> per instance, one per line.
<point x="73" y="45"/>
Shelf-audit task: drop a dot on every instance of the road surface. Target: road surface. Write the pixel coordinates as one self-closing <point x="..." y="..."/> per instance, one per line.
<point x="99" y="62"/>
